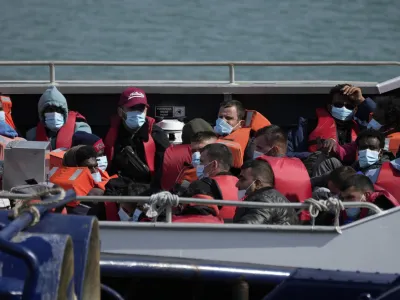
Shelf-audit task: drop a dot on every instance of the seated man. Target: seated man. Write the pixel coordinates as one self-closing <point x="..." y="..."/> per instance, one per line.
<point x="233" y="124"/>
<point x="256" y="184"/>
<point x="385" y="119"/>
<point x="214" y="177"/>
<point x="178" y="157"/>
<point x="291" y="176"/>
<point x="360" y="188"/>
<point x="135" y="146"/>
<point x="338" y="121"/>
<point x="88" y="139"/>
<point x="56" y="124"/>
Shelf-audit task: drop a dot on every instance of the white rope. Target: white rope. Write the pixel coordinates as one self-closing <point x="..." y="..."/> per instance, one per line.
<point x="333" y="205"/>
<point x="159" y="202"/>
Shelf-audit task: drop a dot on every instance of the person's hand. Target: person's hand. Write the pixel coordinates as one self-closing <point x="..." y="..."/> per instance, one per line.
<point x="328" y="146"/>
<point x="354" y="93"/>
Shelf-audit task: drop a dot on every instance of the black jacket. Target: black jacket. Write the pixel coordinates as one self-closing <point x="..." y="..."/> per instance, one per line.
<point x="125" y="138"/>
<point x="271" y="216"/>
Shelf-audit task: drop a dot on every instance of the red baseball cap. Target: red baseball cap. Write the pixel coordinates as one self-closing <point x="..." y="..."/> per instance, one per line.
<point x="132" y="96"/>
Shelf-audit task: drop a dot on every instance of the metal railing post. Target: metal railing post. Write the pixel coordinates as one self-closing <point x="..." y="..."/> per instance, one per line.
<point x="231" y="74"/>
<point x="168" y="214"/>
<point x="52" y="73"/>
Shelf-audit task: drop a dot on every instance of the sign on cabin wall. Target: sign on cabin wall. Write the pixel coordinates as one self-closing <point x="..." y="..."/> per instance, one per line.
<point x="170" y="111"/>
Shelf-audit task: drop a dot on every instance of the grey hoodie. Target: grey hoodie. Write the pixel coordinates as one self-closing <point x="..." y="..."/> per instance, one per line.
<point x="52" y="96"/>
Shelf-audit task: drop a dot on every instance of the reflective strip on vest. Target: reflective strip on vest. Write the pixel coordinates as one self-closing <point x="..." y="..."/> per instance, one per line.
<point x="249" y="116"/>
<point x="387" y="142"/>
<point x="75" y="175"/>
<point x="52" y="171"/>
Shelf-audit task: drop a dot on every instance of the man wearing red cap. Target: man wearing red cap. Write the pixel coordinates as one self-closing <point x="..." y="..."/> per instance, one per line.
<point x="134" y="145"/>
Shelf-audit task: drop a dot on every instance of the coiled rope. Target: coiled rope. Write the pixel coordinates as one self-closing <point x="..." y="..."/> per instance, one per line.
<point x="25" y="205"/>
<point x="159" y="202"/>
<point x="333" y="205"/>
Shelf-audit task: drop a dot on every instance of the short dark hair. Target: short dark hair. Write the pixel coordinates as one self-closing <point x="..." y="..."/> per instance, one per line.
<point x="361" y="182"/>
<point x="239" y="107"/>
<point x="84" y="153"/>
<point x="261" y="170"/>
<point x="337" y="89"/>
<point x="340" y="175"/>
<point x="371" y="133"/>
<point x="272" y="133"/>
<point x="220" y="153"/>
<point x="391" y="106"/>
<point x="138" y="189"/>
<point x="202" y="136"/>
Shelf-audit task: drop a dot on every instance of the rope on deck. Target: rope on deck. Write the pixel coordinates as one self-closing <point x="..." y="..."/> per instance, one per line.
<point x="334" y="205"/>
<point x="159" y="202"/>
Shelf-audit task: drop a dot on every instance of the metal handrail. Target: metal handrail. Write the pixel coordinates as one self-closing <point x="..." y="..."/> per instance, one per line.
<point x="230" y="64"/>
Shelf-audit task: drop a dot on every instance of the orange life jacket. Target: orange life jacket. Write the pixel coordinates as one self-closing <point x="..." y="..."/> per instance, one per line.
<point x="199" y="218"/>
<point x="389" y="179"/>
<point x="4" y="142"/>
<point x="77" y="178"/>
<point x="175" y="158"/>
<point x="229" y="191"/>
<point x="291" y="177"/>
<point x="64" y="135"/>
<point x="56" y="157"/>
<point x="236" y="151"/>
<point x="253" y="121"/>
<point x="326" y="129"/>
<point x="188" y="174"/>
<point x="7" y="107"/>
<point x="149" y="146"/>
<point x="392" y="142"/>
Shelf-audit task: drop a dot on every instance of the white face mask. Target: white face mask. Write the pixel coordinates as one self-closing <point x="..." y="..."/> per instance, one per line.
<point x="196" y="159"/>
<point x="373" y="124"/>
<point x="54" y="121"/>
<point x="367" y="157"/>
<point x="242" y="193"/>
<point x="102" y="162"/>
<point x="96" y="177"/>
<point x="2" y="116"/>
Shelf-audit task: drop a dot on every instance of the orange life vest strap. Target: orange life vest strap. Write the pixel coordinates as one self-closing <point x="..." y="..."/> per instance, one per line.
<point x="255" y="120"/>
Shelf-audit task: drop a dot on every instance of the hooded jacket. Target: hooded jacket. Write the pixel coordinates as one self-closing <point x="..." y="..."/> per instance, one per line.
<point x="52" y="96"/>
<point x="270" y="216"/>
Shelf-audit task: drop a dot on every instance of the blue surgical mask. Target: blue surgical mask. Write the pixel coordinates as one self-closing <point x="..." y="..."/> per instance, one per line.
<point x="222" y="127"/>
<point x="367" y="157"/>
<point x="135" y="119"/>
<point x="342" y="113"/>
<point x="54" y="121"/>
<point x="353" y="212"/>
<point x="2" y="116"/>
<point x="373" y="124"/>
<point x="196" y="159"/>
<point x="200" y="171"/>
<point x="102" y="162"/>
<point x="96" y="177"/>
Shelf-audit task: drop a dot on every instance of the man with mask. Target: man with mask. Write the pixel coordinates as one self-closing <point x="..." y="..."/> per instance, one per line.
<point x="256" y="183"/>
<point x="291" y="176"/>
<point x="56" y="124"/>
<point x="231" y="125"/>
<point x="214" y="177"/>
<point x="337" y="122"/>
<point x="135" y="146"/>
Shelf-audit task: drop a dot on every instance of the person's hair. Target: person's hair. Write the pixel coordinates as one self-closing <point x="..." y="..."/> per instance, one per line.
<point x="337" y="89"/>
<point x="202" y="136"/>
<point x="360" y="182"/>
<point x="391" y="107"/>
<point x="239" y="107"/>
<point x="339" y="176"/>
<point x="138" y="189"/>
<point x="371" y="133"/>
<point x="84" y="153"/>
<point x="272" y="134"/>
<point x="261" y="170"/>
<point x="220" y="153"/>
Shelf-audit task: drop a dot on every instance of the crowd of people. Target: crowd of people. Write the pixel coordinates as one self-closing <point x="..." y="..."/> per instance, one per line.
<point x="348" y="151"/>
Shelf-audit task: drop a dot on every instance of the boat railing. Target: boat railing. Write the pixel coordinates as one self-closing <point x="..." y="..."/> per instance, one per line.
<point x="230" y="64"/>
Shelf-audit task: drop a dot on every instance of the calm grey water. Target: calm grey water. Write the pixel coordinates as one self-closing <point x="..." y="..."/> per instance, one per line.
<point x="206" y="30"/>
